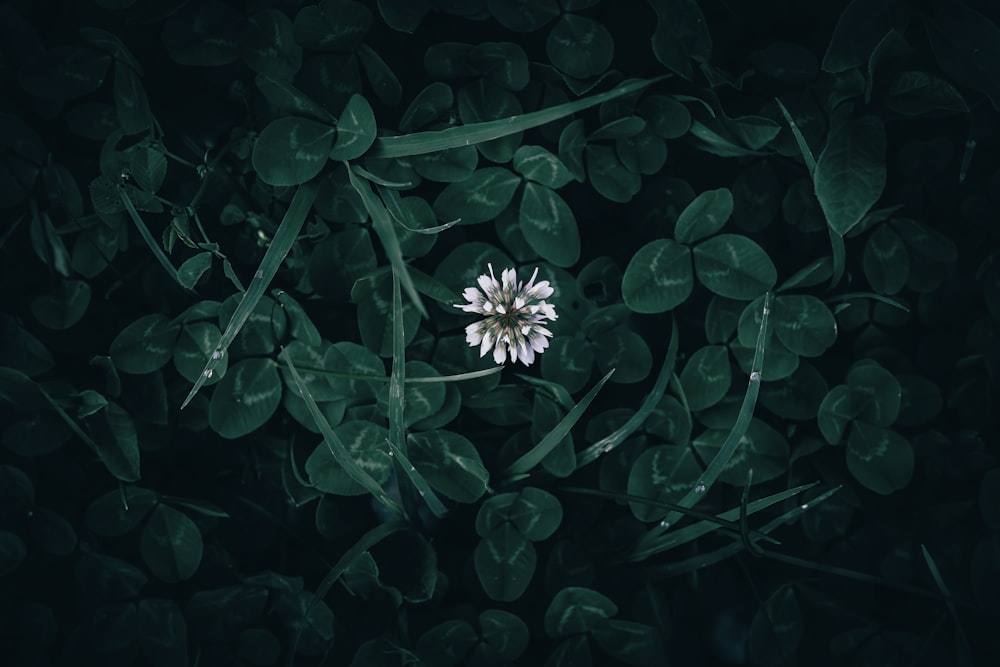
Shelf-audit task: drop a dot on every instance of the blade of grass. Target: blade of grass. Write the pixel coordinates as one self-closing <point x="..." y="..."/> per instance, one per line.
<point x="419" y="143"/>
<point x="839" y="256"/>
<point x="424" y="489"/>
<point x="147" y="236"/>
<point x="395" y="206"/>
<point x="336" y="446"/>
<point x="718" y="463"/>
<point x="397" y="376"/>
<point x="367" y="541"/>
<point x="948" y="601"/>
<point x="887" y="300"/>
<point x="704" y="560"/>
<point x="382" y="223"/>
<point x="534" y="456"/>
<point x="281" y="244"/>
<point x="807" y="154"/>
<point x="717" y="520"/>
<point x="748" y="544"/>
<point x="609" y="442"/>
<point x="655" y="543"/>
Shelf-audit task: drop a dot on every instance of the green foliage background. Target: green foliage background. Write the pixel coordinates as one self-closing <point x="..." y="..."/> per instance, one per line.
<point x="241" y="424"/>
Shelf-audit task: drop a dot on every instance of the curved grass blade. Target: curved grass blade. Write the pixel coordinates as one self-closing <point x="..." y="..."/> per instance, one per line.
<point x="719" y="521"/>
<point x="839" y="256"/>
<point x="718" y="463"/>
<point x="419" y="143"/>
<point x="748" y="544"/>
<point x="704" y="560"/>
<point x="534" y="456"/>
<point x="336" y="446"/>
<point x="609" y="442"/>
<point x="395" y="206"/>
<point x="382" y="223"/>
<point x="434" y="503"/>
<point x="147" y="236"/>
<point x="367" y="541"/>
<point x="949" y="603"/>
<point x="807" y="154"/>
<point x="397" y="376"/>
<point x="281" y="244"/>
<point x="471" y="375"/>
<point x="378" y="180"/>
<point x="655" y="543"/>
<point x="887" y="300"/>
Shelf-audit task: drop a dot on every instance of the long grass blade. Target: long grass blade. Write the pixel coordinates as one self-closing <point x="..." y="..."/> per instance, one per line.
<point x="612" y="440"/>
<point x="423" y="488"/>
<point x="382" y="223"/>
<point x="394" y="203"/>
<point x="652" y="544"/>
<point x="807" y="154"/>
<point x="704" y="560"/>
<point x="336" y="445"/>
<point x="419" y="143"/>
<point x="367" y="541"/>
<point x="718" y="520"/>
<point x="281" y="244"/>
<point x="949" y="603"/>
<point x="725" y="453"/>
<point x="534" y="456"/>
<point x="147" y="236"/>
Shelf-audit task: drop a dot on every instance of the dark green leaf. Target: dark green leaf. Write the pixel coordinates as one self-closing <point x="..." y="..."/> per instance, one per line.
<point x="502" y="62"/>
<point x="523" y="15"/>
<point x="733" y="266"/>
<point x="332" y="25"/>
<point x="450" y="463"/>
<point x="131" y="102"/>
<point x="681" y="35"/>
<point x="850" y="172"/>
<point x="479" y="198"/>
<point x="204" y="34"/>
<point x="549" y="226"/>
<point x="704" y="216"/>
<point x="245" y="398"/>
<point x="63" y="306"/>
<point x="292" y="150"/>
<point x="505" y="562"/>
<point x="859" y="28"/>
<point x="886" y="262"/>
<point x="64" y="72"/>
<point x="506" y="633"/>
<point x="804" y="324"/>
<point x="579" y="46"/>
<point x="762" y="449"/>
<point x="881" y="459"/>
<point x="776" y="629"/>
<point x="915" y="93"/>
<point x="145" y="345"/>
<point x="268" y="47"/>
<point x="355" y="130"/>
<point x="631" y="642"/>
<point x="608" y="175"/>
<point x="967" y="47"/>
<point x="576" y="610"/>
<point x="706" y="377"/>
<point x="365" y="442"/>
<point x="171" y="545"/>
<point x="539" y="165"/>
<point x="191" y="271"/>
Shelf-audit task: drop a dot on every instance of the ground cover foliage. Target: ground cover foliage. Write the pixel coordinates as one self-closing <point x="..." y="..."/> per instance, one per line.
<point x="241" y="424"/>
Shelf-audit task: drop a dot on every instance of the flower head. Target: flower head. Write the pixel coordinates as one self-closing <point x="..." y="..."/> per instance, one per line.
<point x="514" y="314"/>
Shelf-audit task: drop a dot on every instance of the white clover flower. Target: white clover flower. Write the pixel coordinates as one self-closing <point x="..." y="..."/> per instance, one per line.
<point x="513" y="324"/>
